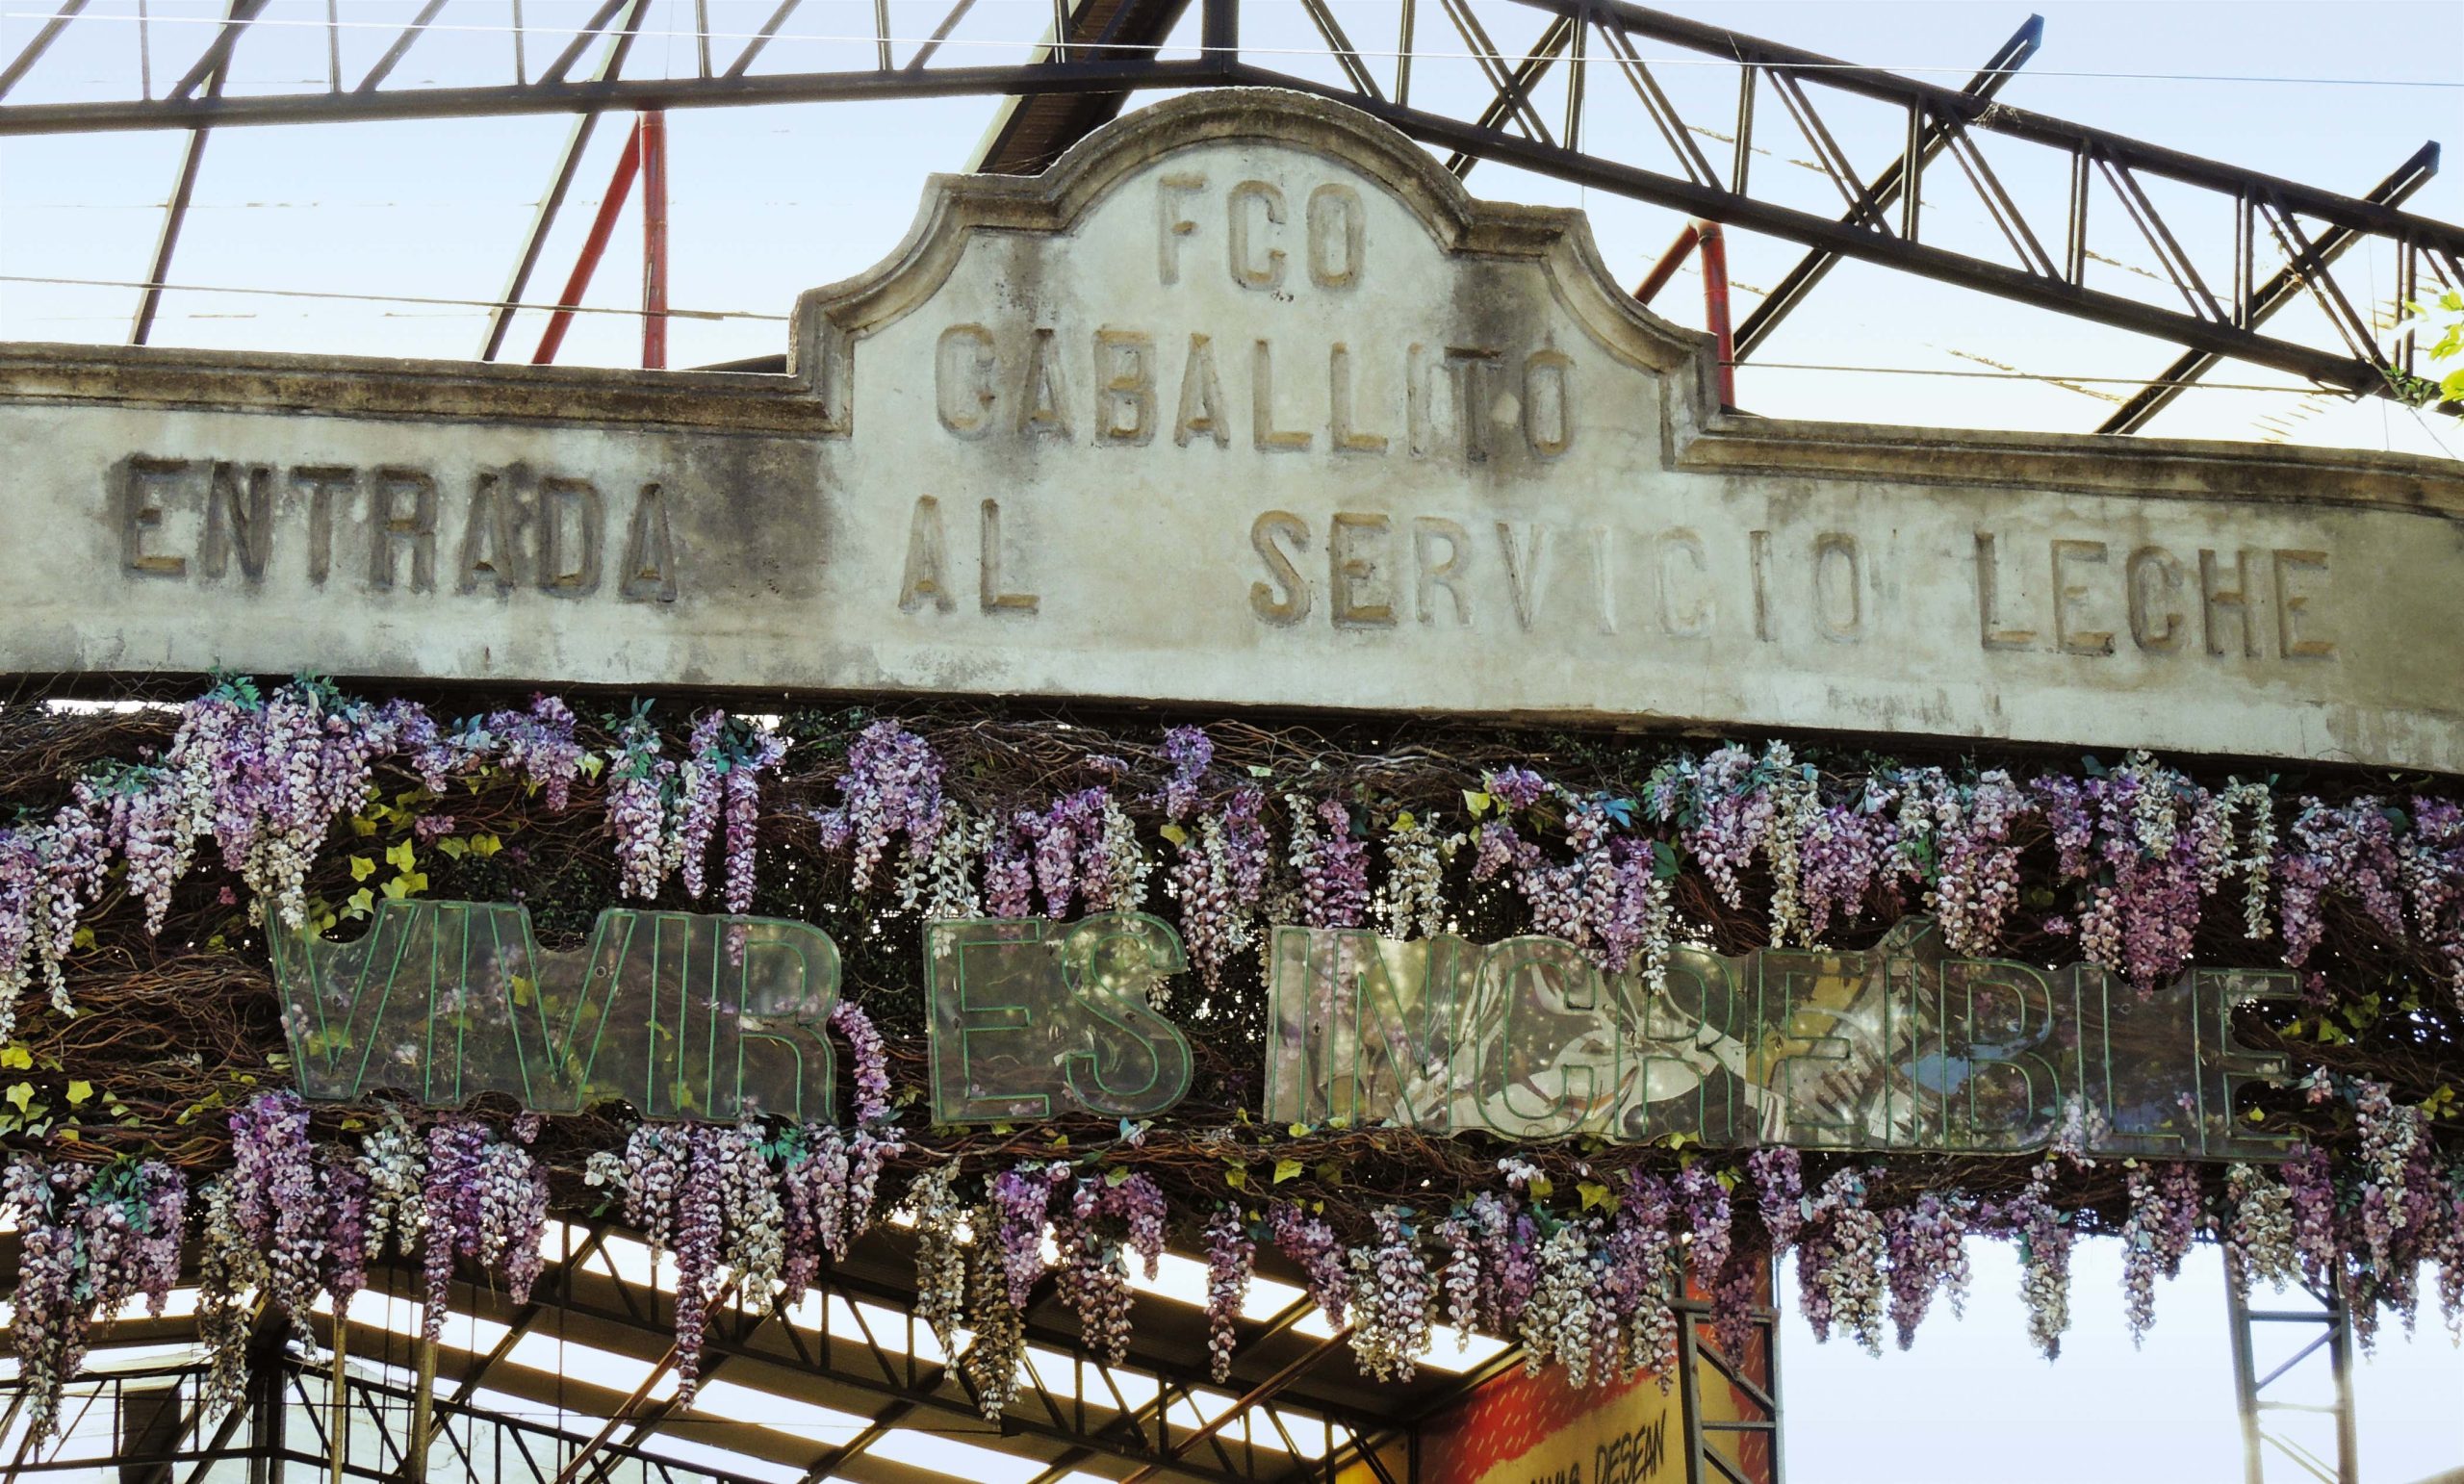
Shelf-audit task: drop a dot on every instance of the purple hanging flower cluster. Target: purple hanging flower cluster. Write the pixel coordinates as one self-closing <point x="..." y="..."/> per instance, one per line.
<point x="637" y="786"/>
<point x="1926" y="1242"/>
<point x="1190" y="753"/>
<point x="1332" y="864"/>
<point x="665" y="812"/>
<point x="2433" y="866"/>
<point x="1022" y="1199"/>
<point x="538" y="744"/>
<point x="1492" y="1264"/>
<point x="483" y="1198"/>
<point x="1392" y="1293"/>
<point x="893" y="786"/>
<point x="1105" y="1219"/>
<point x="91" y="1240"/>
<point x="2257" y="1229"/>
<point x="1842" y="1257"/>
<point x="2044" y="1236"/>
<point x="2349" y="850"/>
<point x="1975" y="880"/>
<point x="47" y="873"/>
<point x="2147" y="846"/>
<point x="1231" y="1256"/>
<point x="1778" y="1173"/>
<point x="1610" y="900"/>
<point x="1218" y="876"/>
<point x="871" y="1056"/>
<point x="1313" y="1245"/>
<point x="2165" y="1219"/>
<point x="279" y="1200"/>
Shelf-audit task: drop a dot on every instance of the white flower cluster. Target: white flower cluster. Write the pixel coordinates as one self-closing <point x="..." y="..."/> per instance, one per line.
<point x="1391" y="1295"/>
<point x="1411" y="902"/>
<point x="940" y="1255"/>
<point x="2258" y="1233"/>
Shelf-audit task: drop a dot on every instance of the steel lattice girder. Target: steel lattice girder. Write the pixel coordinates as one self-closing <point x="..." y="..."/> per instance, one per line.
<point x="2309" y="226"/>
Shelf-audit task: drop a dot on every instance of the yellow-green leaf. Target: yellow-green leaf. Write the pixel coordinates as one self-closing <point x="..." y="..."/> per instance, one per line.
<point x="1237" y="1178"/>
<point x="1540" y="1189"/>
<point x="1175" y="834"/>
<point x="1286" y="1169"/>
<point x="361" y="867"/>
<point x="453" y="847"/>
<point x="398" y="856"/>
<point x="1477" y="802"/>
<point x="1405" y="821"/>
<point x="1593" y="1194"/>
<point x="520" y="987"/>
<point x="16" y="1057"/>
<point x="22" y="1094"/>
<point x="79" y="1091"/>
<point x="363" y="826"/>
<point x="83" y="937"/>
<point x="485" y="845"/>
<point x="361" y="903"/>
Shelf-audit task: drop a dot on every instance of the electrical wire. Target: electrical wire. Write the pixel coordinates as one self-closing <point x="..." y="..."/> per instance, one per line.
<point x="2014" y="376"/>
<point x="383" y="299"/>
<point x="1150" y="49"/>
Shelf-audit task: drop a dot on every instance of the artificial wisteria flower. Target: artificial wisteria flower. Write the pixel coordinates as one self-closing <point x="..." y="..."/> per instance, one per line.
<point x="2163" y="1220"/>
<point x="1190" y="753"/>
<point x="1021" y="1198"/>
<point x="1320" y="1253"/>
<point x="1230" y="1257"/>
<point x="1842" y="1256"/>
<point x="1926" y="1241"/>
<point x="89" y="1242"/>
<point x="893" y="786"/>
<point x="1779" y="1189"/>
<point x="872" y="1061"/>
<point x="1392" y="1293"/>
<point x="1412" y="900"/>
<point x="1218" y="875"/>
<point x="2044" y="1236"/>
<point x="279" y="1201"/>
<point x="637" y="784"/>
<point x="1333" y="866"/>
<point x="1104" y="1219"/>
<point x="2258" y="1230"/>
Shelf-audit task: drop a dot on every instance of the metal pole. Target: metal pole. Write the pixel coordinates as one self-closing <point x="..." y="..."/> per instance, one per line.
<point x="422" y="1412"/>
<point x="1705" y="235"/>
<point x="1715" y="306"/>
<point x="338" y="1431"/>
<point x="653" y="152"/>
<point x="620" y="185"/>
<point x="2246" y="1374"/>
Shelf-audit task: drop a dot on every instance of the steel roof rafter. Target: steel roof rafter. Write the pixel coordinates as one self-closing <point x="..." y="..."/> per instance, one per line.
<point x="1097" y="51"/>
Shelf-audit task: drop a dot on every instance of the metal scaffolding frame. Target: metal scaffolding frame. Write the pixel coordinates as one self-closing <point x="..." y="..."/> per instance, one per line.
<point x="1294" y="1409"/>
<point x="1094" y="53"/>
<point x="2264" y="1437"/>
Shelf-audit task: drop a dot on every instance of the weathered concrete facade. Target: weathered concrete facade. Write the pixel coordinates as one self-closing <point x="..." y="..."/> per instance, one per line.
<point x="1245" y="402"/>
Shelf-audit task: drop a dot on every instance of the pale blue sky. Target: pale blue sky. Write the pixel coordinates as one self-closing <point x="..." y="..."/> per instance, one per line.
<point x="769" y="201"/>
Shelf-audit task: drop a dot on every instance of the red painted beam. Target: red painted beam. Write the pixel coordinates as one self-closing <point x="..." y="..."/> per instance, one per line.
<point x="602" y="226"/>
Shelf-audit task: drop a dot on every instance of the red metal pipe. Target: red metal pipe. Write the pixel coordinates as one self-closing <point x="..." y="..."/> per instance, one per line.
<point x="1669" y="263"/>
<point x="653" y="239"/>
<point x="1705" y="235"/>
<point x="1715" y="306"/>
<point x="602" y="226"/>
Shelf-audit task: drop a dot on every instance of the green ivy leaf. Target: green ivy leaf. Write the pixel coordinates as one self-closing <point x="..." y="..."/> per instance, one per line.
<point x="79" y="1091"/>
<point x="1284" y="1169"/>
<point x="18" y="1057"/>
<point x="361" y="867"/>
